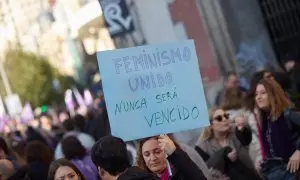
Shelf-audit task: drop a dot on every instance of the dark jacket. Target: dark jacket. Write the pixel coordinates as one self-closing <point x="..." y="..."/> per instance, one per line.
<point x="135" y="173"/>
<point x="185" y="168"/>
<point x="38" y="171"/>
<point x="284" y="133"/>
<point x="98" y="126"/>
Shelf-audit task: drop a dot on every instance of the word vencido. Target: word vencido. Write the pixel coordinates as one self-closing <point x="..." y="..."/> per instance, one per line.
<point x="147" y="61"/>
<point x="172" y="115"/>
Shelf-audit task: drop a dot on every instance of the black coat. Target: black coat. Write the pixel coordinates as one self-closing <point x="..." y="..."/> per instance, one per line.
<point x="185" y="168"/>
<point x="135" y="173"/>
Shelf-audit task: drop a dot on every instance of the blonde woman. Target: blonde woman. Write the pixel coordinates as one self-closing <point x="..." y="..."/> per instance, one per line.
<point x="224" y="146"/>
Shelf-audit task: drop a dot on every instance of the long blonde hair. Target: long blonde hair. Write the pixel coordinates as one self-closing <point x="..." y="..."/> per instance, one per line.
<point x="207" y="133"/>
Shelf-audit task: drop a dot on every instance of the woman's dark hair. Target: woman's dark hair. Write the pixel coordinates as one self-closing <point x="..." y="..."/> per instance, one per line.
<point x="3" y="146"/>
<point x="68" y="125"/>
<point x="59" y="163"/>
<point x="38" y="152"/>
<point x="110" y="153"/>
<point x="79" y="122"/>
<point x="34" y="135"/>
<point x="72" y="148"/>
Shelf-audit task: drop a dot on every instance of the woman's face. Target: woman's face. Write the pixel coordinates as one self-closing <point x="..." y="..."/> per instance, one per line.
<point x="154" y="157"/>
<point x="261" y="97"/>
<point x="220" y="121"/>
<point x="66" y="173"/>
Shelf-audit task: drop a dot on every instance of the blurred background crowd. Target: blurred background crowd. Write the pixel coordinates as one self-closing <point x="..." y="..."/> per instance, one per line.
<point x="50" y="86"/>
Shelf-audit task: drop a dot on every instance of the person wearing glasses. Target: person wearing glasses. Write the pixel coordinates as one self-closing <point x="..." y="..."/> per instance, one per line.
<point x="224" y="146"/>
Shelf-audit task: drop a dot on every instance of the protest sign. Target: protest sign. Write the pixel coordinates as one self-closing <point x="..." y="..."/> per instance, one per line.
<point x="152" y="90"/>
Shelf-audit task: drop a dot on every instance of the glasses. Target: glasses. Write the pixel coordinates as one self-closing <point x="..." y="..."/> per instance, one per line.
<point x="220" y="117"/>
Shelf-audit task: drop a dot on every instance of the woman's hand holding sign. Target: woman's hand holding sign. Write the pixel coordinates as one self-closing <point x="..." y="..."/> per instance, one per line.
<point x="166" y="144"/>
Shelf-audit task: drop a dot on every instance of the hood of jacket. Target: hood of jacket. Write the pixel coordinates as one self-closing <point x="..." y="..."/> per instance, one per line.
<point x="135" y="173"/>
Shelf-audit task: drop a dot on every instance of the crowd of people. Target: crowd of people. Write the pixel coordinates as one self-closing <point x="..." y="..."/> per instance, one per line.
<point x="253" y="134"/>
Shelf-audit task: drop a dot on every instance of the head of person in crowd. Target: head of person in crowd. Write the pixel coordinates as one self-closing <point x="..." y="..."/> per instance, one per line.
<point x="46" y="122"/>
<point x="62" y="169"/>
<point x="79" y="122"/>
<point x="72" y="148"/>
<point x="63" y="115"/>
<point x="38" y="153"/>
<point x="255" y="79"/>
<point x="68" y="125"/>
<point x="6" y="169"/>
<point x="232" y="80"/>
<point x="150" y="156"/>
<point x="110" y="156"/>
<point x="219" y="124"/>
<point x="283" y="80"/>
<point x="289" y="65"/>
<point x="233" y="99"/>
<point x="4" y="150"/>
<point x="270" y="97"/>
<point x="33" y="135"/>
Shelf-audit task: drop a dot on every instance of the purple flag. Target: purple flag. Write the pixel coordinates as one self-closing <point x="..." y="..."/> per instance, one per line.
<point x="27" y="114"/>
<point x="88" y="99"/>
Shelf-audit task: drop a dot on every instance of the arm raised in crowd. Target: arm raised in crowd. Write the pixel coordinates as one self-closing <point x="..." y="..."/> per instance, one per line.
<point x="182" y="162"/>
<point x="243" y="131"/>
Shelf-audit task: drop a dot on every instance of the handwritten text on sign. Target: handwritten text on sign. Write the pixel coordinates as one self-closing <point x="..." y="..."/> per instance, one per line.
<point x="150" y="90"/>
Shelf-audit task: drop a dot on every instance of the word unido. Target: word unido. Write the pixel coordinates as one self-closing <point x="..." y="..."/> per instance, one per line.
<point x="164" y="97"/>
<point x="129" y="106"/>
<point x="146" y="61"/>
<point x="147" y="81"/>
<point x="172" y="115"/>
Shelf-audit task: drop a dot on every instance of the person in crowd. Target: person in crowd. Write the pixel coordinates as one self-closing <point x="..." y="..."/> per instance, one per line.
<point x="4" y="150"/>
<point x="33" y="134"/>
<point x="97" y="124"/>
<point x="151" y="157"/>
<point x="110" y="156"/>
<point x="72" y="130"/>
<point x="264" y="74"/>
<point x="62" y="169"/>
<point x="8" y="172"/>
<point x="76" y="153"/>
<point x="232" y="88"/>
<point x="286" y="84"/>
<point x="6" y="153"/>
<point x="292" y="67"/>
<point x="39" y="157"/>
<point x="223" y="146"/>
<point x="280" y="129"/>
<point x="6" y="169"/>
<point x="252" y="115"/>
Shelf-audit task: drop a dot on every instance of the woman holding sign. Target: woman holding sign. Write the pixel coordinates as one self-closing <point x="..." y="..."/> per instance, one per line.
<point x="151" y="157"/>
<point x="223" y="147"/>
